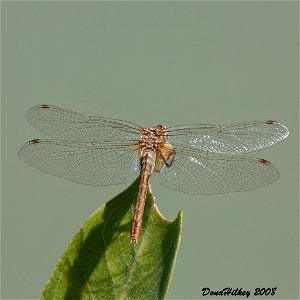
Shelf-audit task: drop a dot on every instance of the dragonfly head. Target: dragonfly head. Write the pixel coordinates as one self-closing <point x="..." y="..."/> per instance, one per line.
<point x="159" y="130"/>
<point x="160" y="127"/>
<point x="155" y="131"/>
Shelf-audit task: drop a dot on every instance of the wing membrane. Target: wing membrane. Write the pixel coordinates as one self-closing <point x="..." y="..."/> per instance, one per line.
<point x="194" y="173"/>
<point x="87" y="163"/>
<point x="229" y="139"/>
<point x="67" y="125"/>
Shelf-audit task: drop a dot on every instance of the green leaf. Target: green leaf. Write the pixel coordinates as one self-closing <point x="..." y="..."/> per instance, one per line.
<point x="100" y="262"/>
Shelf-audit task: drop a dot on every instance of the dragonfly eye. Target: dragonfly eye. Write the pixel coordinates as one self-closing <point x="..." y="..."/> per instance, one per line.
<point x="161" y="127"/>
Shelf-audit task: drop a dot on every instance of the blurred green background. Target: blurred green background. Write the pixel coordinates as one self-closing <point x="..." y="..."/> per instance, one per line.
<point x="153" y="62"/>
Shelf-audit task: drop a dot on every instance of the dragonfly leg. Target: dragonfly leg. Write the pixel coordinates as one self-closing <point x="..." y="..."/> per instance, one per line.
<point x="168" y="164"/>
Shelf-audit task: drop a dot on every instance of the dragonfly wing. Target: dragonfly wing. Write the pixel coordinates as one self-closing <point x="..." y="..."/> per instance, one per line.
<point x="229" y="139"/>
<point x="68" y="125"/>
<point x="213" y="174"/>
<point x="87" y="163"/>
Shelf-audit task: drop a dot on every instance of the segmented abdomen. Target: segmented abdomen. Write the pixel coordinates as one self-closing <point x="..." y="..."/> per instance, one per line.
<point x="147" y="167"/>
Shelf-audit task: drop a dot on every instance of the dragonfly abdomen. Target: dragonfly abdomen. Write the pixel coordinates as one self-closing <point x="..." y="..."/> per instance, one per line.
<point x="147" y="167"/>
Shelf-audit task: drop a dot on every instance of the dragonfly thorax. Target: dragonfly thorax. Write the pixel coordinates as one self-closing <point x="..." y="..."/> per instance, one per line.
<point x="155" y="139"/>
<point x="154" y="135"/>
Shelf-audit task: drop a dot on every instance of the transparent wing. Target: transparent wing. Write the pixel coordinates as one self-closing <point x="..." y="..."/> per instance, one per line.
<point x="194" y="173"/>
<point x="87" y="163"/>
<point x="229" y="139"/>
<point x="67" y="125"/>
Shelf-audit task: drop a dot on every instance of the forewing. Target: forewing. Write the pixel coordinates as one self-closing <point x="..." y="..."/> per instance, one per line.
<point x="87" y="163"/>
<point x="193" y="173"/>
<point x="68" y="125"/>
<point x="229" y="139"/>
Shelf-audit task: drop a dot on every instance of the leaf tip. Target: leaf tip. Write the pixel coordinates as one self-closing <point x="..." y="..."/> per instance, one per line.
<point x="180" y="215"/>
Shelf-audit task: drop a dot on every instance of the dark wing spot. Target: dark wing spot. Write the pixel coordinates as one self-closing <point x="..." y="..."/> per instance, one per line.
<point x="263" y="161"/>
<point x="43" y="106"/>
<point x="36" y="141"/>
<point x="271" y="122"/>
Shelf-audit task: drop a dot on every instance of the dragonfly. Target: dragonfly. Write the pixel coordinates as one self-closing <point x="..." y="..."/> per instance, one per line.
<point x="194" y="159"/>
